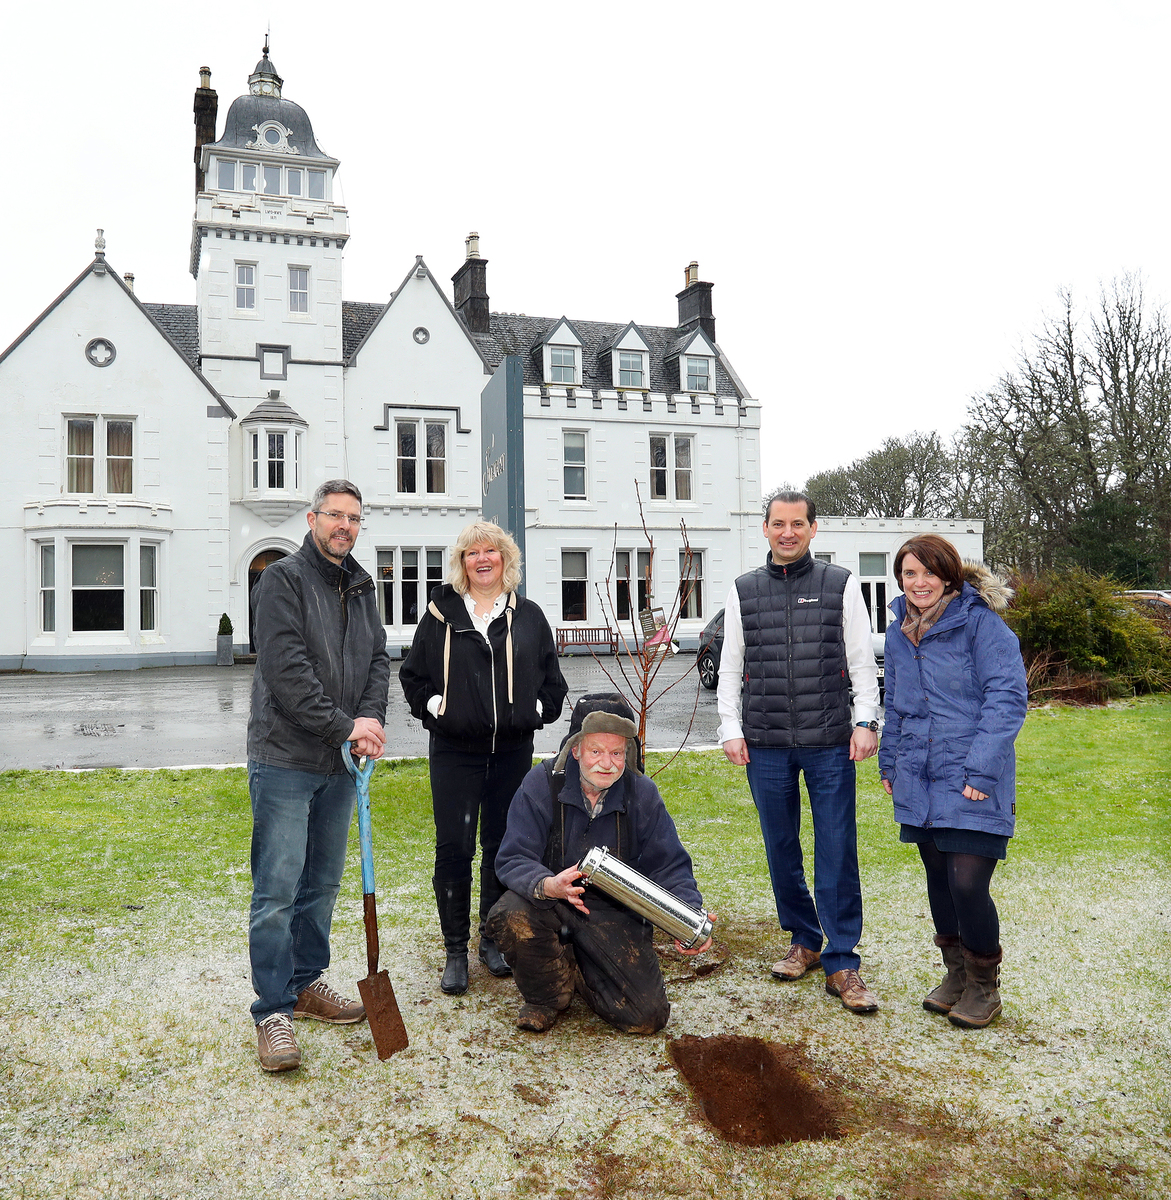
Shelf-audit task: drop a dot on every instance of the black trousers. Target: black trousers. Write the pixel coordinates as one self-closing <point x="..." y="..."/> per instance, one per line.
<point x="470" y="790"/>
<point x="610" y="959"/>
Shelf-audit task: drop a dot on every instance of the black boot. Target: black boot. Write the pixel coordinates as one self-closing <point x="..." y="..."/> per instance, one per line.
<point x="491" y="957"/>
<point x="453" y="898"/>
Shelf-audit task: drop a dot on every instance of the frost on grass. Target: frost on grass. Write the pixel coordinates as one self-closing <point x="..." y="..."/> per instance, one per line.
<point x="130" y="1070"/>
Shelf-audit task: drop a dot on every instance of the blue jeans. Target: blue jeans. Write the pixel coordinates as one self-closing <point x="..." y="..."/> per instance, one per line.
<point x="300" y="831"/>
<point x="829" y="779"/>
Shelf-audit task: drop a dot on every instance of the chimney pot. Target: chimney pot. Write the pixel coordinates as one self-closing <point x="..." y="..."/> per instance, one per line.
<point x="205" y="77"/>
<point x="691" y="275"/>
<point x="128" y="278"/>
<point x="472" y="242"/>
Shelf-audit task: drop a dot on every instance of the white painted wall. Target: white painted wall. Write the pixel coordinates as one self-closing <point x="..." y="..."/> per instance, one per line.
<point x="179" y="497"/>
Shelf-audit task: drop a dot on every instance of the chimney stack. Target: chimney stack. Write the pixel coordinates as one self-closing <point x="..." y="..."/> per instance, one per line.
<point x="206" y="107"/>
<point x="471" y="287"/>
<point x="128" y="279"/>
<point x="695" y="304"/>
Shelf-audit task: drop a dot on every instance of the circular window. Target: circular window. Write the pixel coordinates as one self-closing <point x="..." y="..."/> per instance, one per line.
<point x="421" y="336"/>
<point x="272" y="136"/>
<point x="101" y="352"/>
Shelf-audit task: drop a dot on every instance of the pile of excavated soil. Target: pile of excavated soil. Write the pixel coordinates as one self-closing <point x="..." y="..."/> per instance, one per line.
<point x="754" y="1092"/>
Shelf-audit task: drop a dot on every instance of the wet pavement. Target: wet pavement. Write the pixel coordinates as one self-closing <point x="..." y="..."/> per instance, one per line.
<point x="197" y="716"/>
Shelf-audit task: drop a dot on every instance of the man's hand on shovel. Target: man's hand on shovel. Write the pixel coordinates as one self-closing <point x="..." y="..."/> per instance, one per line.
<point x="367" y="738"/>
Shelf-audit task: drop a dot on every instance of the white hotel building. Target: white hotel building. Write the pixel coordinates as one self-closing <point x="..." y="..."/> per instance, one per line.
<point x="166" y="453"/>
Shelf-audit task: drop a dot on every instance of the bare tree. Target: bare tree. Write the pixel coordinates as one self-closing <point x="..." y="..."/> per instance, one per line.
<point x="647" y="634"/>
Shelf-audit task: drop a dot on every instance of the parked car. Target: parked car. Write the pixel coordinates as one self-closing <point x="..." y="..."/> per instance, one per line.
<point x="711" y="643"/>
<point x="1155" y="598"/>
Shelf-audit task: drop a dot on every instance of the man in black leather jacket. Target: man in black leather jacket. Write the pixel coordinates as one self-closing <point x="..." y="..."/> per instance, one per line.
<point x="321" y="679"/>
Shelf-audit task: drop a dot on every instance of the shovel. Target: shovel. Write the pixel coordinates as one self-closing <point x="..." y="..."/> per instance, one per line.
<point x="386" y="1022"/>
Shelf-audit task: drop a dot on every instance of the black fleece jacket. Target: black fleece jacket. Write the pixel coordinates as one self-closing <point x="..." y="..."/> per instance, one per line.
<point x="321" y="660"/>
<point x="491" y="688"/>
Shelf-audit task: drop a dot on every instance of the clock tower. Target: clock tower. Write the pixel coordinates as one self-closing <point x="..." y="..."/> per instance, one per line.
<point x="266" y="253"/>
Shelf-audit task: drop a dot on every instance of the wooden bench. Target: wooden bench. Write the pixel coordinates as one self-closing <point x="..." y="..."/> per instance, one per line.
<point x="583" y="635"/>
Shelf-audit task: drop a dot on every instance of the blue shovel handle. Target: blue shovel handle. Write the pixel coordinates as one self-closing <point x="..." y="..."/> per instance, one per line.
<point x="361" y="773"/>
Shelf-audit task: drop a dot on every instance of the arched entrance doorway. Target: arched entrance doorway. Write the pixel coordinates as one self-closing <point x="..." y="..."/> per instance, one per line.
<point x="264" y="559"/>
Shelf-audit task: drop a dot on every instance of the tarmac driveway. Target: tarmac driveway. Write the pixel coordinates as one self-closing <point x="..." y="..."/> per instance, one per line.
<point x="196" y="716"/>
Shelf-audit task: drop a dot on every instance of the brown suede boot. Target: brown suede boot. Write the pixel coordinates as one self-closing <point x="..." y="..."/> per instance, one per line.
<point x="980" y="1001"/>
<point x="944" y="997"/>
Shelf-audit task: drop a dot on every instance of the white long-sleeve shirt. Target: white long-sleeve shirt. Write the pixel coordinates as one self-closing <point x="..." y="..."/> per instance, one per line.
<point x="859" y="661"/>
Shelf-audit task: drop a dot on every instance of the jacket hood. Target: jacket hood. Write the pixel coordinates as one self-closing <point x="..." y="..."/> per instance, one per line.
<point x="993" y="588"/>
<point x="981" y="586"/>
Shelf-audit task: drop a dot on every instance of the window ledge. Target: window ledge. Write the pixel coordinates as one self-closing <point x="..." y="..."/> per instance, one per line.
<point x="273" y="512"/>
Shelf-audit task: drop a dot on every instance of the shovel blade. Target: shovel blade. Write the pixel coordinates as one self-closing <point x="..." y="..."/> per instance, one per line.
<point x="386" y="1022"/>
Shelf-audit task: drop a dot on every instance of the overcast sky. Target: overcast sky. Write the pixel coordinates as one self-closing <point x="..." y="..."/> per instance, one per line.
<point x="887" y="197"/>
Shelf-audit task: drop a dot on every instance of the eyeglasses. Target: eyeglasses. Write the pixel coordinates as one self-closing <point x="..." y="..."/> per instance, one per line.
<point x="339" y="517"/>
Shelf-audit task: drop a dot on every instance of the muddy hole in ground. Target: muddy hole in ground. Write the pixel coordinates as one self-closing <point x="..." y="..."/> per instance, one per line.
<point x="755" y="1092"/>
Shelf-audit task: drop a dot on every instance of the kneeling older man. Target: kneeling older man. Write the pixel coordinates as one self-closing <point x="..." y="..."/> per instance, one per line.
<point x="541" y="923"/>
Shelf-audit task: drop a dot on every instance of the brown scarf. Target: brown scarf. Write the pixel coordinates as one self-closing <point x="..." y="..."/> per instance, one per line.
<point x="918" y="621"/>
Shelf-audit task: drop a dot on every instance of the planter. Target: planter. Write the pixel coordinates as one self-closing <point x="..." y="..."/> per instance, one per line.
<point x="224" y="654"/>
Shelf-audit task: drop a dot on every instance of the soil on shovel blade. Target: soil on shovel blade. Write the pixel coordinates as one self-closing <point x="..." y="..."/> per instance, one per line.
<point x="756" y="1092"/>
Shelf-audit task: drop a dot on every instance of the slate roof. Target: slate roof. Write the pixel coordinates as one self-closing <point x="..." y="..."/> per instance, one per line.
<point x="514" y="334"/>
<point x="358" y="318"/>
<point x="181" y="324"/>
<point x="276" y="410"/>
<point x="510" y="334"/>
<point x="249" y="111"/>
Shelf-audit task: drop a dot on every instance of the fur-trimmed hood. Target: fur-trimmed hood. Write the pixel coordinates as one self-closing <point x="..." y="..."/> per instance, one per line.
<point x="993" y="588"/>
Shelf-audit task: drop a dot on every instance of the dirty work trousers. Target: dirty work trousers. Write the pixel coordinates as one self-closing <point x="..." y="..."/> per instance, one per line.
<point x="609" y="957"/>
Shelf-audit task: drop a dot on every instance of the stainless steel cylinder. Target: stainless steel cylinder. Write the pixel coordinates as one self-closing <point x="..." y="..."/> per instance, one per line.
<point x="645" y="897"/>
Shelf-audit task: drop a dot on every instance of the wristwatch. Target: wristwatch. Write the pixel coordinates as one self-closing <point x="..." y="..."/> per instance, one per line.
<point x="871" y="725"/>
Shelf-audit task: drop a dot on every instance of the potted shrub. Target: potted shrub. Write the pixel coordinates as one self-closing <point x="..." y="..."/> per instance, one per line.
<point x="224" y="655"/>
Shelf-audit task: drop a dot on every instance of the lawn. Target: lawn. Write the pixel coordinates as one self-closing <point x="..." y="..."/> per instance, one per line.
<point x="127" y="1056"/>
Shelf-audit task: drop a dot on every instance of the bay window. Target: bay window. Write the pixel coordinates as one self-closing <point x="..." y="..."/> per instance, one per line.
<point x="98" y="598"/>
<point x="48" y="590"/>
<point x="275" y="459"/>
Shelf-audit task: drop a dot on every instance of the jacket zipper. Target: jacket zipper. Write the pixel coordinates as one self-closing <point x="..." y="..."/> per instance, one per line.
<point x="492" y="661"/>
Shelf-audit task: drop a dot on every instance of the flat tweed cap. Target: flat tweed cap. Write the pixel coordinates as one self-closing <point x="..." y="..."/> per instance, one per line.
<point x="603" y="722"/>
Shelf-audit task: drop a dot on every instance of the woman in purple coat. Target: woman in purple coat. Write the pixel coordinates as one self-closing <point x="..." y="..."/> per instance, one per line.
<point x="955" y="702"/>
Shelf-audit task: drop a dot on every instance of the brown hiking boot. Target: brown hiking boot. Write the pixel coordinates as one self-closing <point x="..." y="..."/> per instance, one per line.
<point x="981" y="1001"/>
<point x="276" y="1044"/>
<point x="797" y="960"/>
<point x="536" y="1018"/>
<point x="942" y="998"/>
<point x="847" y="985"/>
<point x="319" y="1002"/>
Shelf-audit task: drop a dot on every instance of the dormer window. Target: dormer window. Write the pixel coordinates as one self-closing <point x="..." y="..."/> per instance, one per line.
<point x="631" y="373"/>
<point x="563" y="365"/>
<point x="699" y="374"/>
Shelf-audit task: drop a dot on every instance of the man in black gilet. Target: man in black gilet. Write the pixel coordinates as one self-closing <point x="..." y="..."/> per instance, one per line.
<point x="796" y="638"/>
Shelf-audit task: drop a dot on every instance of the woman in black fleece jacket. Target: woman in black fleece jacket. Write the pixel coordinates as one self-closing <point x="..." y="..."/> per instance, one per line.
<point x="482" y="675"/>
